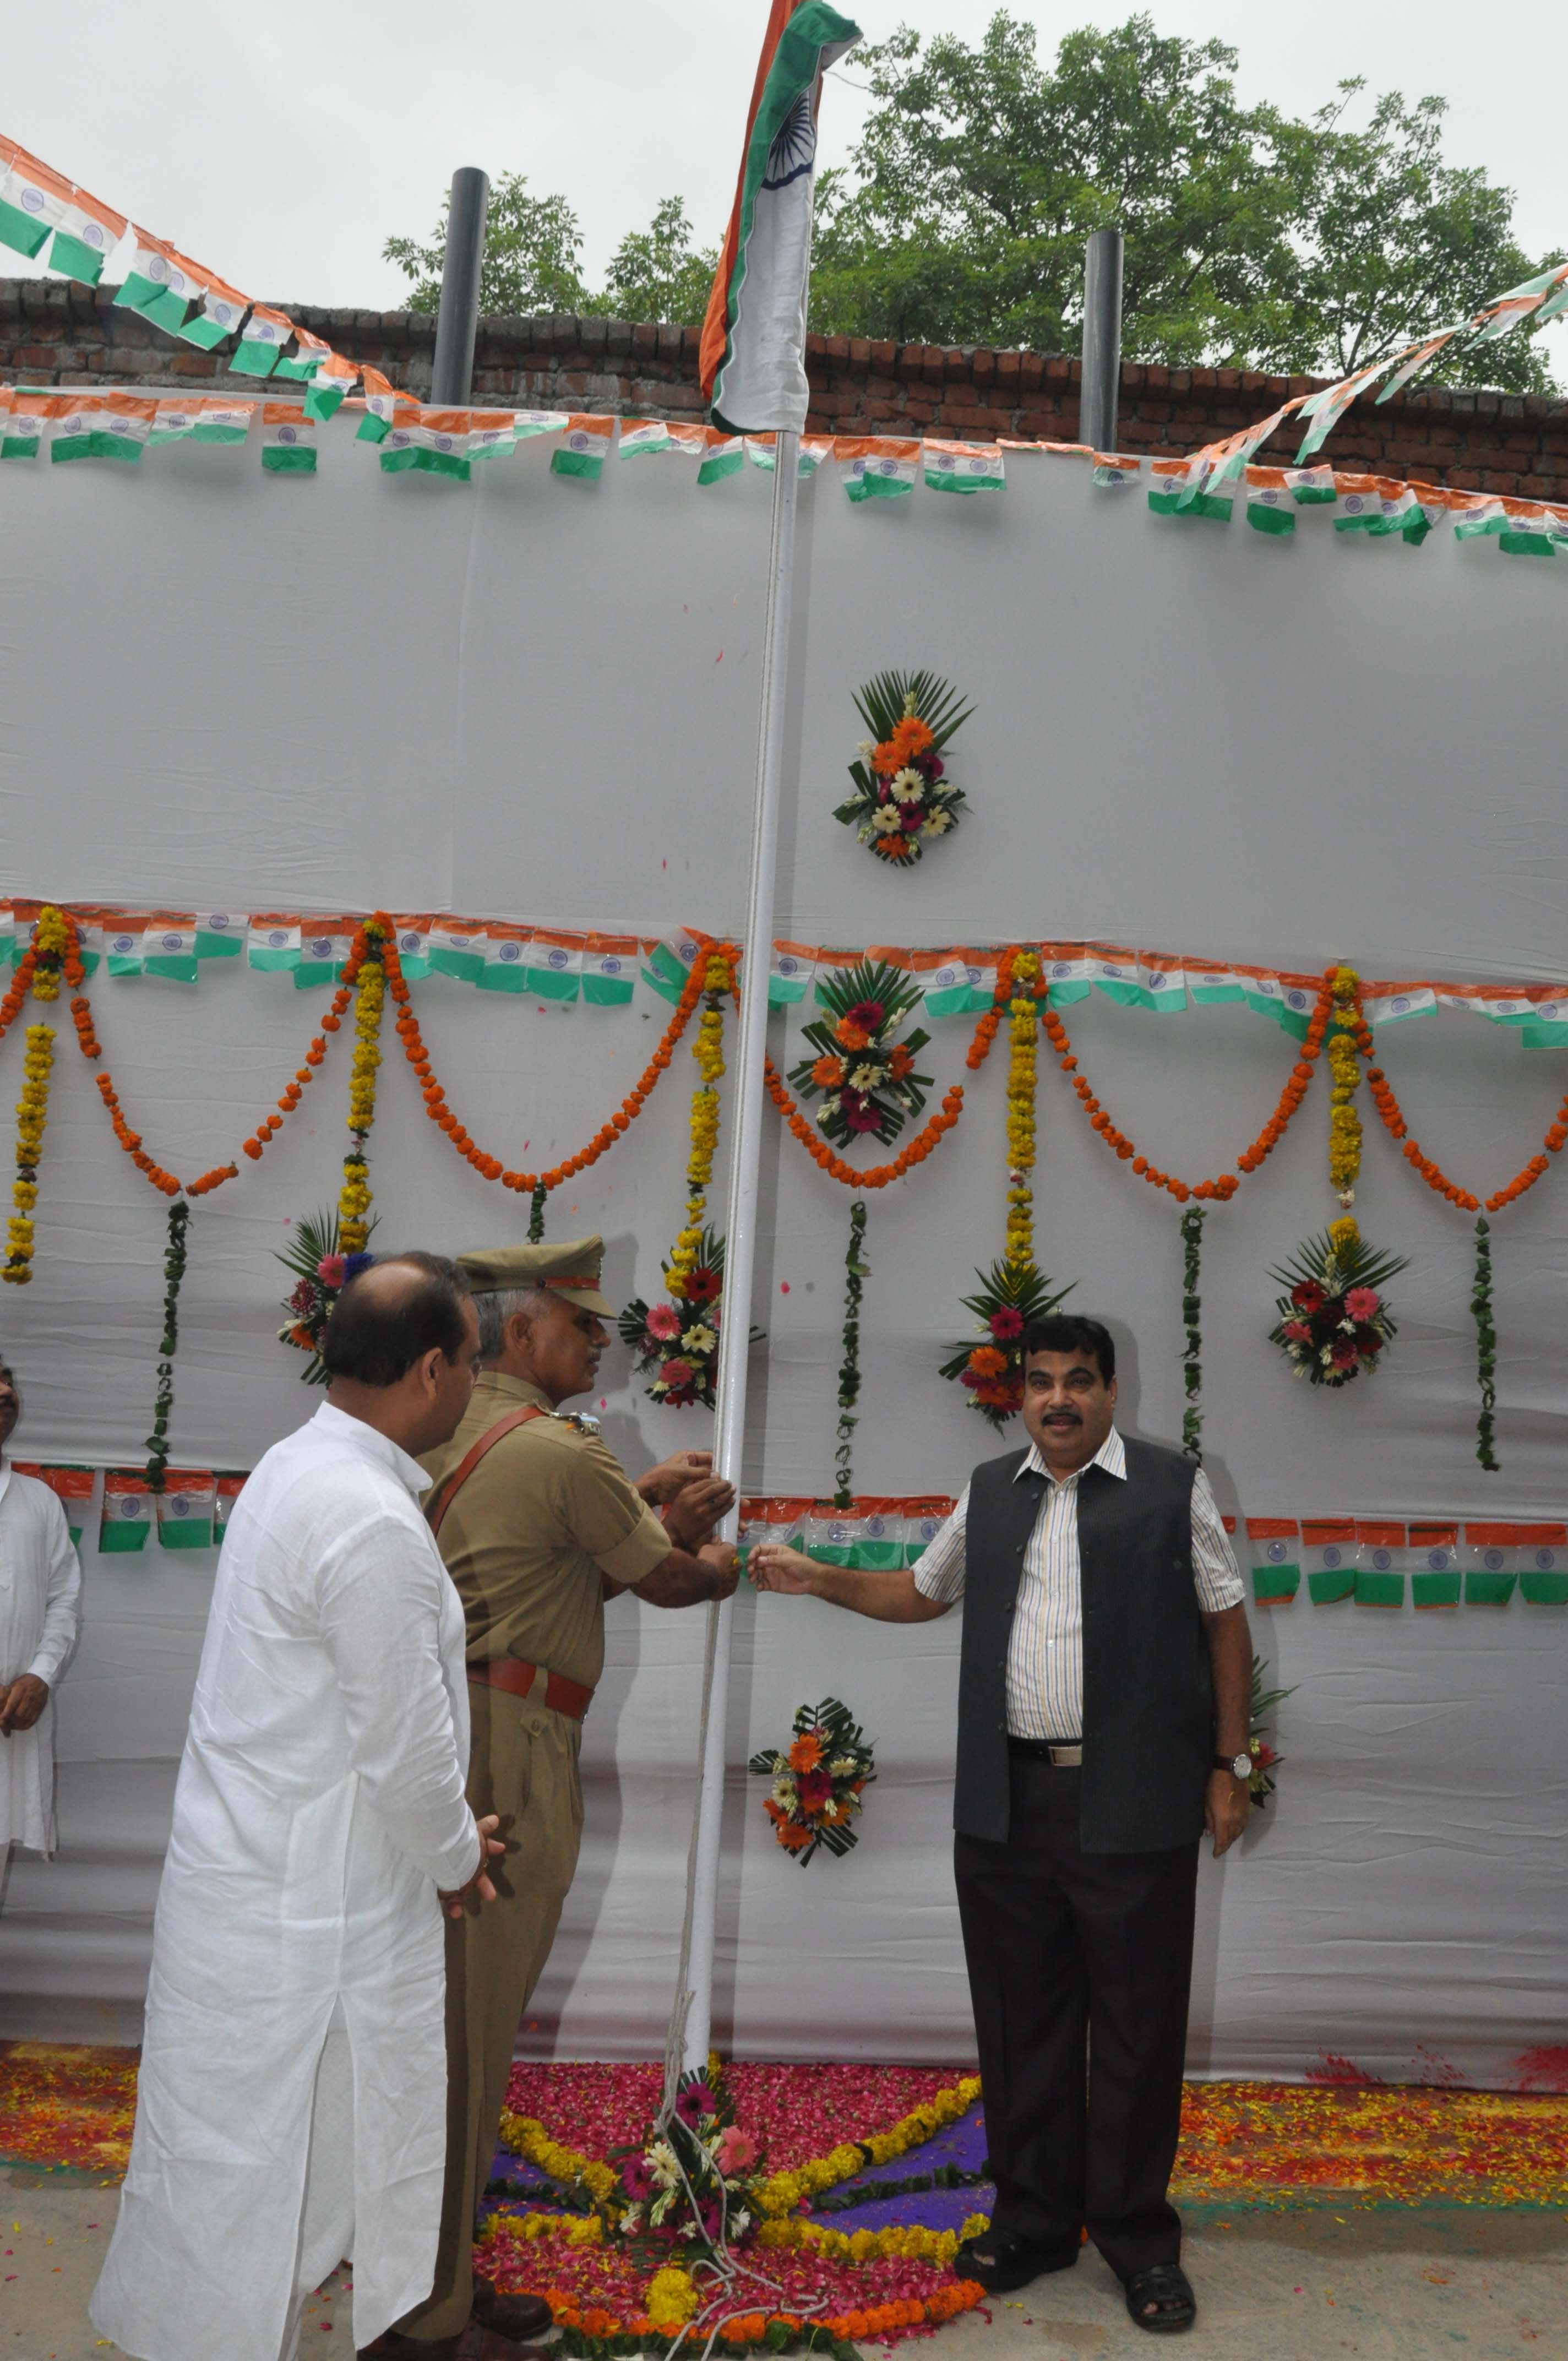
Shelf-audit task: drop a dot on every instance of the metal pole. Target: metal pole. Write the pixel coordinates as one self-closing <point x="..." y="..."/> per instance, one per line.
<point x="452" y="378"/>
<point x="1102" y="367"/>
<point x="741" y="1219"/>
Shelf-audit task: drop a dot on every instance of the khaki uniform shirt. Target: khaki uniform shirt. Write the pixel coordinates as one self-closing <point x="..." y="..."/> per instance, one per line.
<point x="528" y="1538"/>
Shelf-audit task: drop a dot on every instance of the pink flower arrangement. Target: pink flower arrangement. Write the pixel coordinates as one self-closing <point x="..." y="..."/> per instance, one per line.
<point x="663" y="1322"/>
<point x="1361" y="1302"/>
<point x="330" y="1270"/>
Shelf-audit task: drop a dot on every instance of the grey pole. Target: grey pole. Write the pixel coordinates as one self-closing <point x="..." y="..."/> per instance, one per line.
<point x="452" y="378"/>
<point x="1101" y="371"/>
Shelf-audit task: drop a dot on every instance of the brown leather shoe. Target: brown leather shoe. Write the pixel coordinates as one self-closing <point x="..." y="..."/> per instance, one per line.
<point x="517" y="2318"/>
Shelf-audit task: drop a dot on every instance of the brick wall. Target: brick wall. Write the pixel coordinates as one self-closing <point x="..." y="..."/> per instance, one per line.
<point x="54" y="334"/>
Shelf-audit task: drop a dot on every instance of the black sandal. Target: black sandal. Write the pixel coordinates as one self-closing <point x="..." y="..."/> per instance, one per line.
<point x="1002" y="2264"/>
<point x="1167" y="2286"/>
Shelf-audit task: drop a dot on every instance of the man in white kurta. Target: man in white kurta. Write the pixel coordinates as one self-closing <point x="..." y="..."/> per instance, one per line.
<point x="40" y="1617"/>
<point x="291" y="2104"/>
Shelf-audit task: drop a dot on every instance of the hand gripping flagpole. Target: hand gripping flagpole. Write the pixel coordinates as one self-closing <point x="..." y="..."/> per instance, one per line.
<point x="696" y="1989"/>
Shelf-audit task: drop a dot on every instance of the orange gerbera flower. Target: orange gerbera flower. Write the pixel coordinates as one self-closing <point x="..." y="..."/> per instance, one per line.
<point x="828" y="1072"/>
<point x="854" y="1037"/>
<point x="912" y="737"/>
<point x="901" y="1062"/>
<point x="807" y="1752"/>
<point x="987" y="1362"/>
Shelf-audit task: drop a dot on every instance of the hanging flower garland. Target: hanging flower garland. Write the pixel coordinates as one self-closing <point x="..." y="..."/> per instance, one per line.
<point x="1012" y="1292"/>
<point x="369" y="999"/>
<point x="818" y="1783"/>
<point x="53" y="949"/>
<point x="1193" y="1220"/>
<point x="1486" y="1348"/>
<point x="678" y="1340"/>
<point x="857" y="1270"/>
<point x="1344" y="1076"/>
<point x="174" y="1256"/>
<point x="903" y="799"/>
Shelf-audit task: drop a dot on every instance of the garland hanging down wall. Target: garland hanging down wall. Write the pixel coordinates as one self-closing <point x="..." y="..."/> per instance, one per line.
<point x="861" y="1073"/>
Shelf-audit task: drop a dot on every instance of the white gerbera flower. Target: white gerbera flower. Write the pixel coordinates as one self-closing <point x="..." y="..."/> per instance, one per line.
<point x="908" y="786"/>
<point x="938" y="825"/>
<point x="886" y="821"/>
<point x="866" y="1078"/>
<point x="700" y="1339"/>
<point x="662" y="2164"/>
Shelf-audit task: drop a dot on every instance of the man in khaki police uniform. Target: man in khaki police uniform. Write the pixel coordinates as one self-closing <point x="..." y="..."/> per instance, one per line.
<point x="539" y="1524"/>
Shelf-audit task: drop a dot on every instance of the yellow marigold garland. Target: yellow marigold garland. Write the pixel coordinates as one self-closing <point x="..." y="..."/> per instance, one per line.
<point x="32" y="1115"/>
<point x="782" y="2191"/>
<point x="370" y="997"/>
<point x="526" y="2136"/>
<point x="708" y="1051"/>
<point x="1019" y="1250"/>
<point x="910" y="2241"/>
<point x="1344" y="1069"/>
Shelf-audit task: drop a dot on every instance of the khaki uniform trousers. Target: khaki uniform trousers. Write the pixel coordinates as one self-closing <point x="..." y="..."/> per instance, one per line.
<point x="523" y="1764"/>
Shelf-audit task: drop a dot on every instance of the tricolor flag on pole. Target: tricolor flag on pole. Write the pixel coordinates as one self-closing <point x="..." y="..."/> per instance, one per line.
<point x="287" y="439"/>
<point x="754" y="339"/>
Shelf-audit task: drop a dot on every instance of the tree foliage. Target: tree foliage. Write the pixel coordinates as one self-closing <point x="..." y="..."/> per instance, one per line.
<point x="1253" y="238"/>
<point x="533" y="261"/>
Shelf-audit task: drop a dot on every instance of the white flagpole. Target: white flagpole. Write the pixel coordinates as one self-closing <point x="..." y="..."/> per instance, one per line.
<point x="741" y="1226"/>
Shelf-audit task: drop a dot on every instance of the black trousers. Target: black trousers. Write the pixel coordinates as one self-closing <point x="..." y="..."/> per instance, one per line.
<point x="1079" y="1966"/>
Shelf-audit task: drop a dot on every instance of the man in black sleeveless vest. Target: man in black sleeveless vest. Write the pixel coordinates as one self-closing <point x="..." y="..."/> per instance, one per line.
<point x="1103" y="1708"/>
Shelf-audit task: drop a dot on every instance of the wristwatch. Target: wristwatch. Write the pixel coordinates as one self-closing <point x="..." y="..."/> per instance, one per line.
<point x="1238" y="1765"/>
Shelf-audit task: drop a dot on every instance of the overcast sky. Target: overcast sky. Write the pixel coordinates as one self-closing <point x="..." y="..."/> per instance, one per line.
<point x="281" y="145"/>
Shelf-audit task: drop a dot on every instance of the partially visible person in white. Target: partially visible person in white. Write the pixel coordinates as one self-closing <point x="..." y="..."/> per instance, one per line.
<point x="291" y="2104"/>
<point x="40" y="1620"/>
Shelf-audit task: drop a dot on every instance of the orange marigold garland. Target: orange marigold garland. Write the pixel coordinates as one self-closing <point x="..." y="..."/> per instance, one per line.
<point x="367" y="971"/>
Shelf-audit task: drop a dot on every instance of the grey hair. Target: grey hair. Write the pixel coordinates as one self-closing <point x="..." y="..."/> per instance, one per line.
<point x="496" y="1308"/>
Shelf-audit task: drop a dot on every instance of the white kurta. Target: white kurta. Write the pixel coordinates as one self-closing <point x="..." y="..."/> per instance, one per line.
<point x="40" y="1615"/>
<point x="320" y="1805"/>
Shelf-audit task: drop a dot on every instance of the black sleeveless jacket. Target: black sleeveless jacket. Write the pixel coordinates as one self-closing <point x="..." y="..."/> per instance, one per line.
<point x="1149" y="1707"/>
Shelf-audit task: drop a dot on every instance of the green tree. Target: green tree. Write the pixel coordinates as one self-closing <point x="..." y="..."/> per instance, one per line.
<point x="1253" y="238"/>
<point x="531" y="265"/>
<point x="657" y="273"/>
<point x="532" y="244"/>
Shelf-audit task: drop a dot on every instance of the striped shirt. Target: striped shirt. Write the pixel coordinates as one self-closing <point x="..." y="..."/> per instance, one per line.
<point x="1044" y="1653"/>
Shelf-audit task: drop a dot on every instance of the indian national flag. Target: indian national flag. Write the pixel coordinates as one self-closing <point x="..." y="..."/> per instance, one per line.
<point x="790" y="970"/>
<point x="220" y="934"/>
<point x="186" y="1509"/>
<point x="1114" y="474"/>
<point x="761" y="451"/>
<point x="506" y="959"/>
<point x="147" y="279"/>
<point x="1531" y="531"/>
<point x="1329" y="1556"/>
<point x="35" y="201"/>
<point x="491" y="434"/>
<point x="127" y="1519"/>
<point x="123" y="942"/>
<point x="526" y="423"/>
<point x="963" y="467"/>
<point x="21" y="431"/>
<point x="1381" y="1551"/>
<point x="1389" y="1004"/>
<point x="555" y="964"/>
<point x="1162" y="983"/>
<point x="610" y="965"/>
<point x="584" y="448"/>
<point x="432" y="442"/>
<point x="1182" y="487"/>
<point x="1400" y="511"/>
<point x="413" y="948"/>
<point x="287" y="439"/>
<point x="334" y="380"/>
<point x="723" y="454"/>
<point x="1275" y="1545"/>
<point x="201" y="422"/>
<point x="1269" y="507"/>
<point x="687" y="441"/>
<point x="947" y="987"/>
<point x="221" y="314"/>
<point x="72" y="1485"/>
<point x="86" y="235"/>
<point x="384" y="409"/>
<point x="1479" y="518"/>
<point x="1066" y="968"/>
<point x="272" y="940"/>
<point x="1310" y="487"/>
<point x="875" y="468"/>
<point x="754" y="339"/>
<point x="183" y="285"/>
<point x="102" y="426"/>
<point x="169" y="947"/>
<point x="324" y="946"/>
<point x="456" y="950"/>
<point x="666" y="964"/>
<point x="307" y="356"/>
<point x="641" y="434"/>
<point x="260" y="347"/>
<point x="1356" y="509"/>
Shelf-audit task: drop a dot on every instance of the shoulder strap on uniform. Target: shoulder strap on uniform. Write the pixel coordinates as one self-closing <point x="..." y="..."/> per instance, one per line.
<point x="441" y="1499"/>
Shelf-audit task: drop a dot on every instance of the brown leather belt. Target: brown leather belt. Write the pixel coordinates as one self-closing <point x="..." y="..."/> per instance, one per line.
<point x="518" y="1677"/>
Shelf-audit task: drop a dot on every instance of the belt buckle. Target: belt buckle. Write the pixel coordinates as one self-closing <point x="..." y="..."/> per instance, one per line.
<point x="1066" y="1758"/>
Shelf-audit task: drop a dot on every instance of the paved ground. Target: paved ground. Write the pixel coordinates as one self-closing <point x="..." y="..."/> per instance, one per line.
<point x="1387" y="2284"/>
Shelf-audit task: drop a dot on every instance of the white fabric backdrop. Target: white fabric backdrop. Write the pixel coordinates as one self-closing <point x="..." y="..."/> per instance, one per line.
<point x="536" y="699"/>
